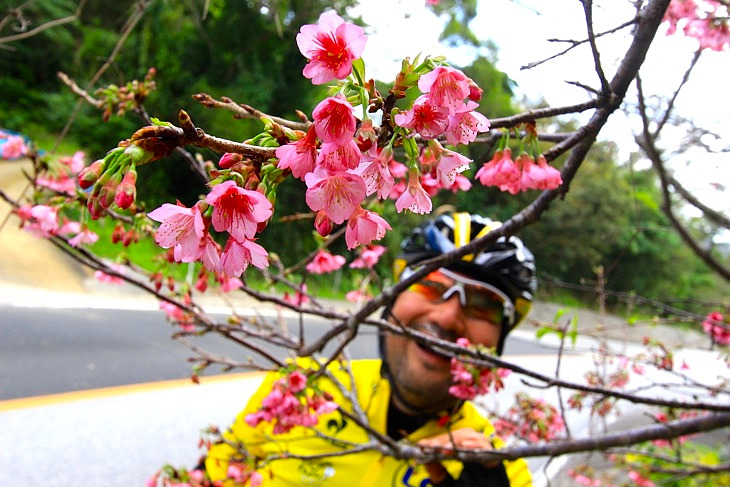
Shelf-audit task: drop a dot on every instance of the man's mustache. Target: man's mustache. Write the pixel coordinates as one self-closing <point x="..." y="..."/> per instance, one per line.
<point x="435" y="330"/>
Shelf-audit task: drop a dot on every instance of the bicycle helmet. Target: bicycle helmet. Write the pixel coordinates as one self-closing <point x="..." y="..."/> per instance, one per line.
<point x="506" y="264"/>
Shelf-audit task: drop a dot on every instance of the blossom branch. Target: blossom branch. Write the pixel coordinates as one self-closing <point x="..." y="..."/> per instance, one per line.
<point x="669" y="430"/>
<point x="241" y="110"/>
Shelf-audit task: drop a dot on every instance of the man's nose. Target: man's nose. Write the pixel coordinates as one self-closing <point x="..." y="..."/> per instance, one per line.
<point x="449" y="314"/>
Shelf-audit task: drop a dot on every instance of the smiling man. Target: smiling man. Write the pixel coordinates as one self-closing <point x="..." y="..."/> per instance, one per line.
<point x="406" y="394"/>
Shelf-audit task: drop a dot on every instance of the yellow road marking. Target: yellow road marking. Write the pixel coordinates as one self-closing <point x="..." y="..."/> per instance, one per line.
<point x="66" y="397"/>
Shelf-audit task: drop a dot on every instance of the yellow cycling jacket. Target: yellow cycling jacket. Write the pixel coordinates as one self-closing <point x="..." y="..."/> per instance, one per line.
<point x="330" y="463"/>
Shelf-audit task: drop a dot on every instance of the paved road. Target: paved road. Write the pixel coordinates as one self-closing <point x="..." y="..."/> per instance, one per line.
<point x="50" y="350"/>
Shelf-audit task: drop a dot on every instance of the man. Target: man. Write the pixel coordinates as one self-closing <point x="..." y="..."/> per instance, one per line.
<point x="405" y="396"/>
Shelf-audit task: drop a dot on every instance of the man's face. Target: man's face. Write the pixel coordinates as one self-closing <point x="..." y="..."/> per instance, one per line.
<point x="422" y="375"/>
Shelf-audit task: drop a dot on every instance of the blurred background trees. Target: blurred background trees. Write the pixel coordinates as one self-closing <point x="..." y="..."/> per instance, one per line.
<point x="610" y="221"/>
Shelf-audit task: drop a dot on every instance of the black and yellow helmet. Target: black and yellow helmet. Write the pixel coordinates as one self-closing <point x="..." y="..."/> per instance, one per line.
<point x="506" y="264"/>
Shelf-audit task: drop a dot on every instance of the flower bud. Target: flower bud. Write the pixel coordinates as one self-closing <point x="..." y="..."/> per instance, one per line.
<point x="129" y="237"/>
<point x="322" y="223"/>
<point x="89" y="175"/>
<point x="229" y="159"/>
<point x="475" y="93"/>
<point x="138" y="155"/>
<point x="118" y="233"/>
<point x="107" y="192"/>
<point x="126" y="191"/>
<point x="95" y="209"/>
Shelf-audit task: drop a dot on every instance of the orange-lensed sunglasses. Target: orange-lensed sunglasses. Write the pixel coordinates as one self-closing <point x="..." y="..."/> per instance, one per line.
<point x="478" y="299"/>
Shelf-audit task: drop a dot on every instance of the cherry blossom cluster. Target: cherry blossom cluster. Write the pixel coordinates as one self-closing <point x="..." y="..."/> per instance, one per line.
<point x="716" y="327"/>
<point x="60" y="175"/>
<point x="704" y="20"/>
<point x="520" y="174"/>
<point x="12" y="146"/>
<point x="291" y="403"/>
<point x="239" y="212"/>
<point x="531" y="419"/>
<point x="470" y="380"/>
<point x="44" y="221"/>
<point x="169" y="476"/>
<point x="339" y="157"/>
<point x="324" y="262"/>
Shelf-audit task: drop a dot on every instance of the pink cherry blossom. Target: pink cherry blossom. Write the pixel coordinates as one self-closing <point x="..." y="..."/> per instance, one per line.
<point x="702" y="21"/>
<point x="465" y="123"/>
<point x="74" y="163"/>
<point x="320" y="405"/>
<point x="84" y="237"/>
<point x="376" y="174"/>
<point x="431" y="185"/>
<point x="13" y="147"/>
<point x="334" y="120"/>
<point x="330" y="46"/>
<point x="237" y="210"/>
<point x="363" y="227"/>
<point x="255" y="479"/>
<point x="461" y="183"/>
<point x="229" y="283"/>
<point x="446" y="87"/>
<point x="639" y="480"/>
<point x="42" y="220"/>
<point x="238" y="254"/>
<point x="337" y="194"/>
<point x="357" y="296"/>
<point x="178" y="315"/>
<point x="297" y="381"/>
<point x="299" y="156"/>
<point x="426" y="118"/>
<point x="299" y="298"/>
<point x="499" y="171"/>
<point x="181" y="228"/>
<point x="324" y="262"/>
<point x="550" y="178"/>
<point x="414" y="198"/>
<point x="709" y="33"/>
<point x="209" y="252"/>
<point x="583" y="479"/>
<point x="60" y="176"/>
<point x="68" y="227"/>
<point x="368" y="257"/>
<point x="102" y="276"/>
<point x="448" y="163"/>
<point x="715" y="326"/>
<point x="679" y="10"/>
<point x="339" y="157"/>
<point x="470" y="380"/>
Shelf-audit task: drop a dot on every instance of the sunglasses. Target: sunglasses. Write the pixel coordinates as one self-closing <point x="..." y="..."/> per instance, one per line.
<point x="478" y="299"/>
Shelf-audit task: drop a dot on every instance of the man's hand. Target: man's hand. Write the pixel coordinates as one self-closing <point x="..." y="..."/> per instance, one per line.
<point x="461" y="439"/>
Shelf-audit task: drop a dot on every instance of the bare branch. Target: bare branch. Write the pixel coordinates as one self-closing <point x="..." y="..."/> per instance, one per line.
<point x="48" y="25"/>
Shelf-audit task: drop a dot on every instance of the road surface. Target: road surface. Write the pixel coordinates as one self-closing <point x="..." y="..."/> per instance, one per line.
<point x="54" y="350"/>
